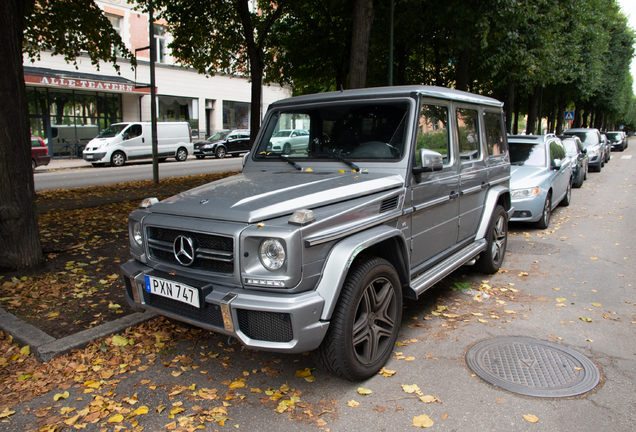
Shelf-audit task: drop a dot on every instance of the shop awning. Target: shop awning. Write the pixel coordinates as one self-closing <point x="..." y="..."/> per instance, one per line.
<point x="82" y="80"/>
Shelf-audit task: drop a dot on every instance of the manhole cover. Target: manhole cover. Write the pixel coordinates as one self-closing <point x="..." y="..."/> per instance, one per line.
<point x="533" y="248"/>
<point x="532" y="367"/>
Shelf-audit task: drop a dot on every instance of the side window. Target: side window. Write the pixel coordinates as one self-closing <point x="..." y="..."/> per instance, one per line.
<point x="432" y="131"/>
<point x="35" y="142"/>
<point x="134" y="131"/>
<point x="494" y="134"/>
<point x="468" y="133"/>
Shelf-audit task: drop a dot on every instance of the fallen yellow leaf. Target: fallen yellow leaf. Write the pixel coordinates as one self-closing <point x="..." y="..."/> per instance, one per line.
<point x="412" y="388"/>
<point x="25" y="350"/>
<point x="428" y="399"/>
<point x="59" y="396"/>
<point x="585" y="319"/>
<point x="422" y="421"/>
<point x="561" y="299"/>
<point x="364" y="391"/>
<point x="116" y="418"/>
<point x="531" y="418"/>
<point x="302" y="373"/>
<point x="141" y="410"/>
<point x="6" y="413"/>
<point x="353" y="404"/>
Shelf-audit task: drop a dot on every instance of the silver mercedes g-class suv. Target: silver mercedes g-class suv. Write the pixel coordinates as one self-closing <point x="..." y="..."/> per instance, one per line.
<point x="315" y="248"/>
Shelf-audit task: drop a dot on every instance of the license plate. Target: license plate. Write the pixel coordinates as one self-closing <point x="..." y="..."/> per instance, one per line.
<point x="88" y="157"/>
<point x="173" y="290"/>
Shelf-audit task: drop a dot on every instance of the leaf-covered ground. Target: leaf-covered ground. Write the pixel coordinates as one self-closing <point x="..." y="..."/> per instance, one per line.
<point x="84" y="234"/>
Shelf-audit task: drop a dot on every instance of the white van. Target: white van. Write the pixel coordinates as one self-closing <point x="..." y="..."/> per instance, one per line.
<point x="64" y="137"/>
<point x="121" y="142"/>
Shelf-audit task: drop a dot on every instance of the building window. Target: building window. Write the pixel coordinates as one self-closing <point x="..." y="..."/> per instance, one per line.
<point x="116" y="22"/>
<point x="236" y="115"/>
<point x="160" y="41"/>
<point x="179" y="109"/>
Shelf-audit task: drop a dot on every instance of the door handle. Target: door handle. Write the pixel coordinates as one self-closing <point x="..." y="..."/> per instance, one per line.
<point x="454" y="195"/>
<point x="143" y="140"/>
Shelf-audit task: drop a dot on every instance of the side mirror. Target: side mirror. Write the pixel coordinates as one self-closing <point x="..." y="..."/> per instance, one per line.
<point x="245" y="156"/>
<point x="431" y="161"/>
<point x="126" y="136"/>
<point x="584" y="151"/>
<point x="556" y="164"/>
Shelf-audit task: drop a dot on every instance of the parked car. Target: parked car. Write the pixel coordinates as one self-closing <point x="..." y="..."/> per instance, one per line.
<point x="578" y="155"/>
<point x="317" y="251"/>
<point x="541" y="177"/>
<point x="617" y="140"/>
<point x="39" y="153"/>
<point x="591" y="140"/>
<point x="286" y="141"/>
<point x="121" y="142"/>
<point x="222" y="143"/>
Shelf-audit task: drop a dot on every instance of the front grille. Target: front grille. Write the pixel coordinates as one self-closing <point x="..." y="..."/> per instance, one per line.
<point x="208" y="314"/>
<point x="213" y="253"/>
<point x="265" y="326"/>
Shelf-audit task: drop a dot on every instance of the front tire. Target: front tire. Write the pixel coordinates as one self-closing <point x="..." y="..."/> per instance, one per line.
<point x="182" y="154"/>
<point x="287" y="149"/>
<point x="33" y="164"/>
<point x="220" y="152"/>
<point x="497" y="238"/>
<point x="544" y="222"/>
<point x="365" y="323"/>
<point x="118" y="159"/>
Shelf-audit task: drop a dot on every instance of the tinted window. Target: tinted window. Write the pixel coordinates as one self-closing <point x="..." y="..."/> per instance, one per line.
<point x="556" y="151"/>
<point x="528" y="154"/>
<point x="432" y="131"/>
<point x="494" y="134"/>
<point x="468" y="133"/>
<point x="587" y="138"/>
<point x="570" y="145"/>
<point x="134" y="131"/>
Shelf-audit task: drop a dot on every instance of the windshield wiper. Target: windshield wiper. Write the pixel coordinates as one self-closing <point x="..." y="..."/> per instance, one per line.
<point x="348" y="162"/>
<point x="291" y="162"/>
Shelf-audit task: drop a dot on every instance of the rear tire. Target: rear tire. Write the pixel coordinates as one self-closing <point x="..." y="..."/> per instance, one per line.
<point x="118" y="159"/>
<point x="544" y="222"/>
<point x="497" y="238"/>
<point x="33" y="164"/>
<point x="568" y="196"/>
<point x="365" y="323"/>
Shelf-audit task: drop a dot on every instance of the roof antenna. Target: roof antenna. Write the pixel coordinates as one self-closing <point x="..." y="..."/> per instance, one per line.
<point x="341" y="88"/>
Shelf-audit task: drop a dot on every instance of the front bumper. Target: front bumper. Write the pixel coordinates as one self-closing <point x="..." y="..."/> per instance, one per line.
<point x="261" y="320"/>
<point x="528" y="209"/>
<point x="94" y="157"/>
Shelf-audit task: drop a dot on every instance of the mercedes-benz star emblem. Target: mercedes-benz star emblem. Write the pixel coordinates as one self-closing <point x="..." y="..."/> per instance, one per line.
<point x="183" y="248"/>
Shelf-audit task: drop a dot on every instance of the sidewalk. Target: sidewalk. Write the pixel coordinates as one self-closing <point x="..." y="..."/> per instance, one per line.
<point x="64" y="163"/>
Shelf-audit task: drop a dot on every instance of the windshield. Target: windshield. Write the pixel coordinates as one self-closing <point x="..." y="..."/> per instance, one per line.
<point x="616" y="136"/>
<point x="354" y="130"/>
<point x="527" y="154"/>
<point x="218" y="136"/>
<point x="112" y="130"/>
<point x="587" y="138"/>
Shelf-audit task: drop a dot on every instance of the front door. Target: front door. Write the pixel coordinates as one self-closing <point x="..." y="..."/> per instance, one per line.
<point x="435" y="203"/>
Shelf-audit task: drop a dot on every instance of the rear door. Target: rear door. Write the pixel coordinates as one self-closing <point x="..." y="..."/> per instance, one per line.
<point x="435" y="198"/>
<point x="473" y="175"/>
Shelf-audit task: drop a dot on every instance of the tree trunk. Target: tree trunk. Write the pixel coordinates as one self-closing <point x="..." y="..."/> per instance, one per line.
<point x="255" y="55"/>
<point x="533" y="101"/>
<point x="362" y="23"/>
<point x="463" y="64"/>
<point x="19" y="237"/>
<point x="578" y="107"/>
<point x="515" y="124"/>
<point x="560" y="114"/>
<point x="510" y="103"/>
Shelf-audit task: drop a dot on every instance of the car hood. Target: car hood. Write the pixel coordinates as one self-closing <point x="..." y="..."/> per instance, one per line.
<point x="205" y="142"/>
<point x="255" y="197"/>
<point x="522" y="177"/>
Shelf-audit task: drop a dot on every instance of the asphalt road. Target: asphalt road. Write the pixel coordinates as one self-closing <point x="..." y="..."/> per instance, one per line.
<point x="77" y="173"/>
<point x="590" y="269"/>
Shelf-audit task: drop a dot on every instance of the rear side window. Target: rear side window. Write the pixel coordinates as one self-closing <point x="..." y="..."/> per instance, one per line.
<point x="468" y="133"/>
<point x="36" y="142"/>
<point x="494" y="134"/>
<point x="556" y="151"/>
<point x="432" y="131"/>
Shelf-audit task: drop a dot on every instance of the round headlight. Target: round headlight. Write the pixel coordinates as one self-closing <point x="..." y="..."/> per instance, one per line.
<point x="272" y="254"/>
<point x="137" y="233"/>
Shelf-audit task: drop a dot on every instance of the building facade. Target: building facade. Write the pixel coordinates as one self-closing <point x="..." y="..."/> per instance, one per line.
<point x="68" y="106"/>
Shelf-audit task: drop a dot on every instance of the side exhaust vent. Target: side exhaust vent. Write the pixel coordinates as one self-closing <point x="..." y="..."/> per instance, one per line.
<point x="389" y="204"/>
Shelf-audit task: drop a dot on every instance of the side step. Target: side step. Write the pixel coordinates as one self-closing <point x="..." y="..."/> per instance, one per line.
<point x="442" y="269"/>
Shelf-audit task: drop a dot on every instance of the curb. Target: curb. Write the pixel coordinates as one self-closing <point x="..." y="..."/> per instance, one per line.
<point x="45" y="347"/>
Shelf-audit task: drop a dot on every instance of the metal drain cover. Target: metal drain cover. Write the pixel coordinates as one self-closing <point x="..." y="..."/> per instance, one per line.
<point x="534" y="248"/>
<point x="532" y="367"/>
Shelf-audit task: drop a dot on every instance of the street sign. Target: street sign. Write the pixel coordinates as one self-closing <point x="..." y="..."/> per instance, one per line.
<point x="568" y="116"/>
